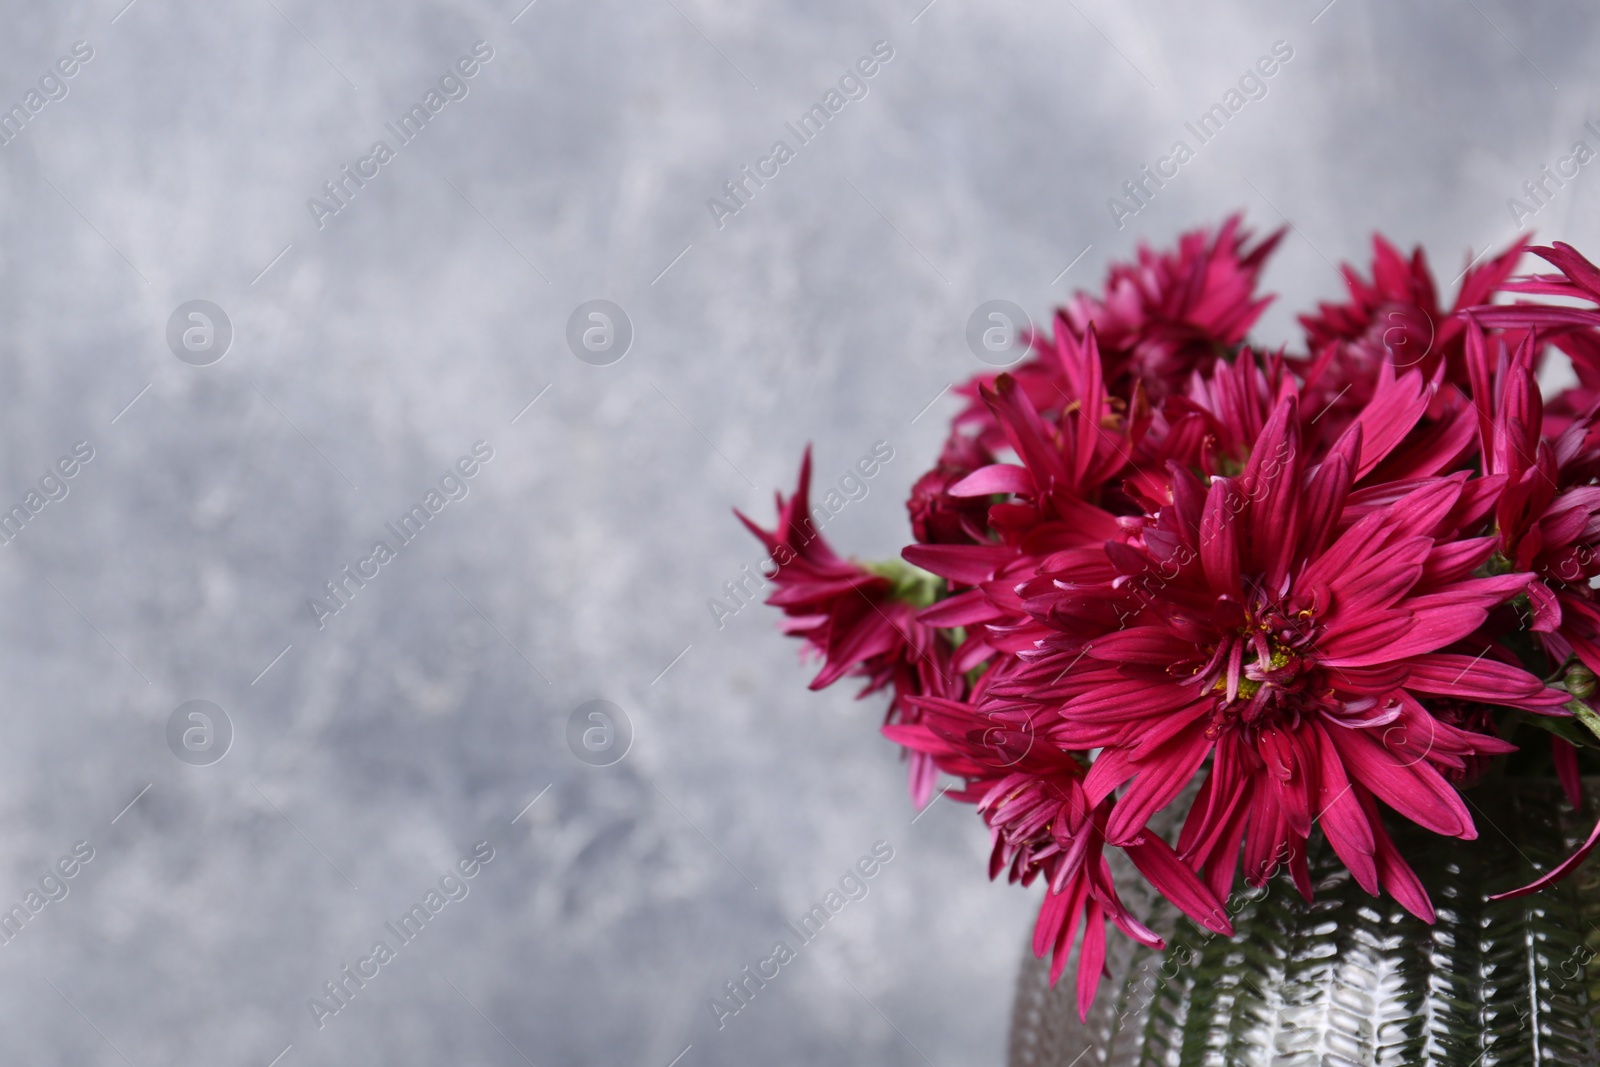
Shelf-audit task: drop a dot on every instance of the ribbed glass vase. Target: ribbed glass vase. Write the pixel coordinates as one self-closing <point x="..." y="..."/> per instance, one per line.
<point x="1354" y="981"/>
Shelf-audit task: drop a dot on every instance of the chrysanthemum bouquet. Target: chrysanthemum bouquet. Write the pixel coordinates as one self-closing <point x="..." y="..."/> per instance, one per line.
<point x="1323" y="584"/>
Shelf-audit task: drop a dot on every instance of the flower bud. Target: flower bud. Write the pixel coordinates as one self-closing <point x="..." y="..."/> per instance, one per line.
<point x="1581" y="681"/>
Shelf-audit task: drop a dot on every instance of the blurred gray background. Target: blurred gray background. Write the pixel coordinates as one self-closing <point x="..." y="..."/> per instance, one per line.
<point x="369" y="354"/>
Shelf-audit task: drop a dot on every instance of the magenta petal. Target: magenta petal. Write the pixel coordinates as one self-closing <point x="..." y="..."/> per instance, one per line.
<point x="1077" y="895"/>
<point x="963" y="609"/>
<point x="1570" y="261"/>
<point x="1176" y="881"/>
<point x="1111" y="768"/>
<point x="1413" y="788"/>
<point x="1219" y="537"/>
<point x="1329" y="488"/>
<point x="1395" y="873"/>
<point x="1439" y="619"/>
<point x="966" y="564"/>
<point x="1123" y="701"/>
<point x="1160" y="778"/>
<point x="1366" y="644"/>
<point x="1345" y="824"/>
<point x="1514" y="316"/>
<point x="1565" y="756"/>
<point x="1091" y="392"/>
<point x="1091" y="957"/>
<point x="1354" y="545"/>
<point x="1455" y="560"/>
<point x="1052" y="914"/>
<point x="1546" y="608"/>
<point x="995" y="478"/>
<point x="1482" y="679"/>
<point x="1140" y="644"/>
<point x="1394" y="409"/>
<point x="1555" y="874"/>
<point x="922" y="775"/>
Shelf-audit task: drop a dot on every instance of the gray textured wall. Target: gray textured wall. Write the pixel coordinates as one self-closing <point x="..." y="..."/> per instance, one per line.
<point x="422" y="318"/>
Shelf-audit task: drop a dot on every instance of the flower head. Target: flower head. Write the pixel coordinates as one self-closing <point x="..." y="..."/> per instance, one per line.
<point x="1172" y="313"/>
<point x="859" y="621"/>
<point x="1274" y="624"/>
<point x="1396" y="319"/>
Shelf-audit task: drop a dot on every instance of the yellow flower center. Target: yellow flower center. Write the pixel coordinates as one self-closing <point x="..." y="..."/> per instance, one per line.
<point x="1249" y="687"/>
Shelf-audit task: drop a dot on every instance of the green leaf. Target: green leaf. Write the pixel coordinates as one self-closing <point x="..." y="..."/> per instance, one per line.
<point x="915" y="586"/>
<point x="1571" y="729"/>
<point x="1586" y="715"/>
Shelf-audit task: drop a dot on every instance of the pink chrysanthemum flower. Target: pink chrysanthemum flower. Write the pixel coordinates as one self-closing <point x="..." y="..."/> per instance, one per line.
<point x="854" y="620"/>
<point x="1284" y="627"/>
<point x="1396" y="318"/>
<point x="1173" y="313"/>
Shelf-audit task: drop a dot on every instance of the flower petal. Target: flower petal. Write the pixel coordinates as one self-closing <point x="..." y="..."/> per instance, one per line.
<point x="995" y="478"/>
<point x="1176" y="881"/>
<point x="1413" y="788"/>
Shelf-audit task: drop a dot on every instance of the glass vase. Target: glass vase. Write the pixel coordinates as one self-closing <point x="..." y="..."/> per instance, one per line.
<point x="1351" y="980"/>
